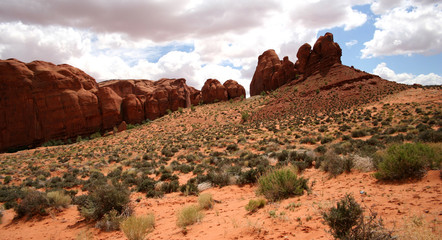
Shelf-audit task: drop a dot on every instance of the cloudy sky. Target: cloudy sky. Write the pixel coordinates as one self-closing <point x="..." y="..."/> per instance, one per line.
<point x="399" y="40"/>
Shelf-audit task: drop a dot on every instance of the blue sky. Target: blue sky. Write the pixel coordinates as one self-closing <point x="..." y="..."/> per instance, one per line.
<point x="400" y="40"/>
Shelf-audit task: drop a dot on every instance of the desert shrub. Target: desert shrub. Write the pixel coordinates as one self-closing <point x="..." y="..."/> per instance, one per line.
<point x="110" y="221"/>
<point x="58" y="199"/>
<point x="430" y="135"/>
<point x="255" y="204"/>
<point x="205" y="201"/>
<point x="359" y="133"/>
<point x="409" y="160"/>
<point x="7" y="179"/>
<point x="137" y="228"/>
<point x="346" y="221"/>
<point x="335" y="165"/>
<point x="342" y="218"/>
<point x="307" y="140"/>
<point x="249" y="176"/>
<point x="232" y="147"/>
<point x="189" y="215"/>
<point x="190" y="188"/>
<point x="95" y="135"/>
<point x="281" y="183"/>
<point x="103" y="199"/>
<point x="245" y="116"/>
<point x="219" y="178"/>
<point x="33" y="203"/>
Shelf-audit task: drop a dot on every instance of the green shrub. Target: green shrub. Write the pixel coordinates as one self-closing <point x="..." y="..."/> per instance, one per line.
<point x="103" y="199"/>
<point x="188" y="216"/>
<point x="342" y="218"/>
<point x="7" y="180"/>
<point x="255" y="204"/>
<point x="137" y="228"/>
<point x="281" y="183"/>
<point x="245" y="116"/>
<point x="409" y="160"/>
<point x="205" y="201"/>
<point x="33" y="203"/>
<point x="58" y="199"/>
<point x="347" y="222"/>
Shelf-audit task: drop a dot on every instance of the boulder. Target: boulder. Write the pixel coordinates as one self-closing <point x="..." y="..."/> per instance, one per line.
<point x="213" y="91"/>
<point x="234" y="89"/>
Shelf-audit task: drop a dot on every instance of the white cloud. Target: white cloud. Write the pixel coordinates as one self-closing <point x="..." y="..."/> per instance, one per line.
<point x="414" y="27"/>
<point x="425" y="79"/>
<point x="327" y="14"/>
<point x="114" y="39"/>
<point x="351" y="43"/>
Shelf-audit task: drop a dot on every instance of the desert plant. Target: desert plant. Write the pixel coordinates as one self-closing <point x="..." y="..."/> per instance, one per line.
<point x="255" y="204"/>
<point x="281" y="183"/>
<point x="245" y="116"/>
<point x="347" y="222"/>
<point x="342" y="218"/>
<point x="103" y="199"/>
<point x="110" y="221"/>
<point x="336" y="165"/>
<point x="137" y="228"/>
<point x="7" y="179"/>
<point x="188" y="216"/>
<point x="58" y="199"/>
<point x="404" y="161"/>
<point x="205" y="201"/>
<point x="33" y="203"/>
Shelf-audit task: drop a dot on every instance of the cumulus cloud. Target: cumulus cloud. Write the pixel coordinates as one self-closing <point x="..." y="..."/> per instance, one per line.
<point x="152" y="39"/>
<point x="351" y="43"/>
<point x="406" y="28"/>
<point x="164" y="20"/>
<point x="407" y="78"/>
<point x="327" y="14"/>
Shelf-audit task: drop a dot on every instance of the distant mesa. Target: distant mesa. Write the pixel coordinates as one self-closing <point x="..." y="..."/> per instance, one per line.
<point x="271" y="73"/>
<point x="41" y="101"/>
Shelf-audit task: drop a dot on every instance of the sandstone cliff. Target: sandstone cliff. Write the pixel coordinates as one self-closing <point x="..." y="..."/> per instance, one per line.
<point x="40" y="101"/>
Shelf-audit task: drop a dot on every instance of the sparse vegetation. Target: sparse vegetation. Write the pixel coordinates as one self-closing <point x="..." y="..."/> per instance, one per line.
<point x="346" y="221"/>
<point x="410" y="160"/>
<point x="189" y="215"/>
<point x="137" y="228"/>
<point x="281" y="183"/>
<point x="205" y="201"/>
<point x="255" y="204"/>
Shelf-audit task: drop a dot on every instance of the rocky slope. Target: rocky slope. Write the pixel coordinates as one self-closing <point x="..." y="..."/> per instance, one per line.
<point x="41" y="101"/>
<point x="317" y="82"/>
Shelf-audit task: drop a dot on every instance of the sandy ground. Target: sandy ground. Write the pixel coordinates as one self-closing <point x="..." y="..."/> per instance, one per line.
<point x="394" y="202"/>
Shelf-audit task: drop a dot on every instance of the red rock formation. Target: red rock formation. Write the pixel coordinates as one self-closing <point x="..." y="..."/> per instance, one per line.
<point x="41" y="101"/>
<point x="271" y="73"/>
<point x="213" y="91"/>
<point x="325" y="54"/>
<point x="234" y="89"/>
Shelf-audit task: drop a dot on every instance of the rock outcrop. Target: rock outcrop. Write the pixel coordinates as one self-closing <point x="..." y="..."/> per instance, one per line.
<point x="271" y="73"/>
<point x="234" y="89"/>
<point x="40" y="101"/>
<point x="214" y="91"/>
